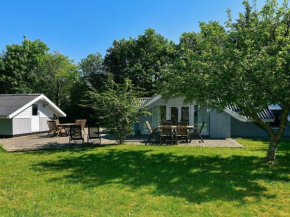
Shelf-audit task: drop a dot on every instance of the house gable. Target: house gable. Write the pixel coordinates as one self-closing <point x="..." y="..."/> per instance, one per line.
<point x="43" y="101"/>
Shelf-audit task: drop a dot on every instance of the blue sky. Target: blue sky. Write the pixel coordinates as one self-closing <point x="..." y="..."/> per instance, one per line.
<point x="78" y="28"/>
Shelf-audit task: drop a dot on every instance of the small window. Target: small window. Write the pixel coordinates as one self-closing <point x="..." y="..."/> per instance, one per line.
<point x="34" y="109"/>
<point x="185" y="114"/>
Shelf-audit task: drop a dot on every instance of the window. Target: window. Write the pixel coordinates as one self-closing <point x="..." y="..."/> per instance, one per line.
<point x="174" y="115"/>
<point x="34" y="109"/>
<point x="185" y="114"/>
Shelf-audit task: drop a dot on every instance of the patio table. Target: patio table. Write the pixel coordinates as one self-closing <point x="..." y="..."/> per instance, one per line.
<point x="190" y="127"/>
<point x="66" y="124"/>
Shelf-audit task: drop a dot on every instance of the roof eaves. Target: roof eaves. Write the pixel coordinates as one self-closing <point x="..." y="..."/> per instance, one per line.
<point x="266" y="114"/>
<point x="53" y="105"/>
<point x="153" y="100"/>
<point x="25" y="106"/>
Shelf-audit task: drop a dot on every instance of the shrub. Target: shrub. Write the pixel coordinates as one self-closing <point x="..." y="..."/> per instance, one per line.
<point x="118" y="108"/>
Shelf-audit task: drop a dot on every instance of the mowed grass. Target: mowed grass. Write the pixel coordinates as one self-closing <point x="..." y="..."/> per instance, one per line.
<point x="129" y="180"/>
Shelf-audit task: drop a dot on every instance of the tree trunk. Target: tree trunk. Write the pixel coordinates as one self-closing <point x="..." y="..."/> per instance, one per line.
<point x="271" y="156"/>
<point x="275" y="138"/>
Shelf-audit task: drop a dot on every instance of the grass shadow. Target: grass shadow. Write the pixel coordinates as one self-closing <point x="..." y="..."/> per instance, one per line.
<point x="198" y="179"/>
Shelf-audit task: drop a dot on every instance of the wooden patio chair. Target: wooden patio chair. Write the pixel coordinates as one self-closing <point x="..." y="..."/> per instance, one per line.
<point x="197" y="132"/>
<point x="76" y="133"/>
<point x="182" y="131"/>
<point x="53" y="128"/>
<point x="81" y="122"/>
<point x="94" y="133"/>
<point x="151" y="131"/>
<point x="57" y="121"/>
<point x="166" y="132"/>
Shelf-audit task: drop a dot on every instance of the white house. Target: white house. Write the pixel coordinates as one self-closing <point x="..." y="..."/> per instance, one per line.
<point x="26" y="113"/>
<point x="228" y="123"/>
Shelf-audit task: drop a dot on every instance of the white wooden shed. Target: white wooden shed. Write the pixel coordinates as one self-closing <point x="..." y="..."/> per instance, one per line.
<point x="26" y="113"/>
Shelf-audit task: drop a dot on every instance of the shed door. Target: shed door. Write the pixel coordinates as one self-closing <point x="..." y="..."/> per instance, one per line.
<point x="35" y="118"/>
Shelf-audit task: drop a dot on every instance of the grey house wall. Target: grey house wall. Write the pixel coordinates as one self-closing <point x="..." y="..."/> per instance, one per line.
<point x="220" y="125"/>
<point x="287" y="131"/>
<point x="6" y="127"/>
<point x="250" y="129"/>
<point x="247" y="129"/>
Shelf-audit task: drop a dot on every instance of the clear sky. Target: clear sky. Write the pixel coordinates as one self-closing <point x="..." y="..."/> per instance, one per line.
<point x="78" y="28"/>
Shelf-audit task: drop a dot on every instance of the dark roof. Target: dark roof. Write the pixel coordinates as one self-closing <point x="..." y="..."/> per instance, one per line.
<point x="10" y="103"/>
<point x="266" y="114"/>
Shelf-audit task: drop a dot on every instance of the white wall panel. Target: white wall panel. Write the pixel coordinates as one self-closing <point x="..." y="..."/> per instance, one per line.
<point x="21" y="126"/>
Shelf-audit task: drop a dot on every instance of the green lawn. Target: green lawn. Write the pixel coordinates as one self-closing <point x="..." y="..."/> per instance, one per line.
<point x="128" y="180"/>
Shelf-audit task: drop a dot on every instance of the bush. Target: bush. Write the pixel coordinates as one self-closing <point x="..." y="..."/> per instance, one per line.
<point x="119" y="108"/>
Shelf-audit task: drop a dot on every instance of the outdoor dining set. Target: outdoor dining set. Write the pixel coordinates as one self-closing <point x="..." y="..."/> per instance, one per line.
<point x="75" y="131"/>
<point x="180" y="131"/>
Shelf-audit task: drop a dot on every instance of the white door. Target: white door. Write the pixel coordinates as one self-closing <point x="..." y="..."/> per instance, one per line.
<point x="35" y="118"/>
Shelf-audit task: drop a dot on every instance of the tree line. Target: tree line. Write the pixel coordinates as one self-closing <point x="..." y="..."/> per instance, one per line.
<point x="30" y="67"/>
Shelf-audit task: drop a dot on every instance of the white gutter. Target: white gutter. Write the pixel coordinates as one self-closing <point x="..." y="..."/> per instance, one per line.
<point x="236" y="115"/>
<point x="153" y="100"/>
<point x="40" y="97"/>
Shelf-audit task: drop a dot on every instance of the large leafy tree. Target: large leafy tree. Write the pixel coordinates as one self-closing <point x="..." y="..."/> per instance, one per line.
<point x="58" y="74"/>
<point x="91" y="76"/>
<point x="141" y="60"/>
<point x="18" y="66"/>
<point x="246" y="63"/>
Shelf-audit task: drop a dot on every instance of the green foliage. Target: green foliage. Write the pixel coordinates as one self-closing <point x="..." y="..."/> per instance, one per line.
<point x="77" y="107"/>
<point x="92" y="75"/>
<point x="92" y="70"/>
<point x="146" y="181"/>
<point x="18" y="66"/>
<point x="58" y="74"/>
<point x="244" y="63"/>
<point x="28" y="68"/>
<point x="141" y="60"/>
<point x="118" y="108"/>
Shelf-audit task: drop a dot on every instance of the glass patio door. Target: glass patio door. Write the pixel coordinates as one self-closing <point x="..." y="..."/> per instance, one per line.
<point x="174" y="115"/>
<point x="201" y="113"/>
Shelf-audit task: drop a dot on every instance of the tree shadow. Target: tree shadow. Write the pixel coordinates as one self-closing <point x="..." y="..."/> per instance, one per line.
<point x="197" y="179"/>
